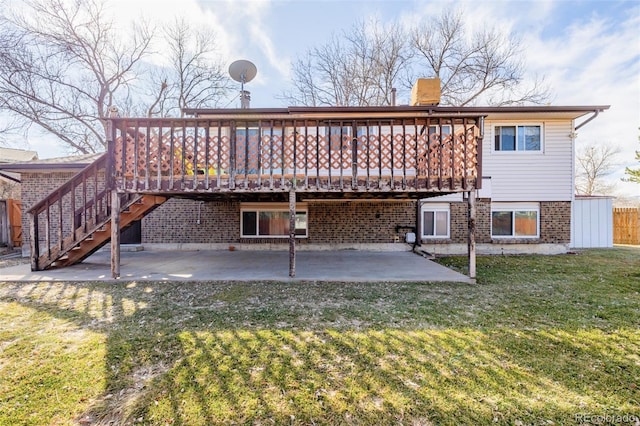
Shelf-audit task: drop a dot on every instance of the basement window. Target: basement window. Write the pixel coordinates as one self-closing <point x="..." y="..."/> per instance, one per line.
<point x="435" y="220"/>
<point x="271" y="220"/>
<point x="515" y="220"/>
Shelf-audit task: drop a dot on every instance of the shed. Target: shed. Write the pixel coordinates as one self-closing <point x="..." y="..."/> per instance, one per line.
<point x="592" y="222"/>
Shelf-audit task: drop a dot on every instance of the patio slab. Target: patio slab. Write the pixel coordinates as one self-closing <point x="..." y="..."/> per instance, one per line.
<point x="223" y="265"/>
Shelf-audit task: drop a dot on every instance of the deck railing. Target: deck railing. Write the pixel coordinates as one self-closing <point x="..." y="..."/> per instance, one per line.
<point x="316" y="155"/>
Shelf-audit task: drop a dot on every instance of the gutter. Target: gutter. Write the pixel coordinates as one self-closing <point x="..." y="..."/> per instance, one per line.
<point x="6" y="176"/>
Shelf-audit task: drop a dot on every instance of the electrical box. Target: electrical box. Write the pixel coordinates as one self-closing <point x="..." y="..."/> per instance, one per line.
<point x="410" y="237"/>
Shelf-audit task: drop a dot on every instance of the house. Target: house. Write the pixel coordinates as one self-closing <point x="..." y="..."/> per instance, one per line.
<point x="10" y="205"/>
<point x="496" y="178"/>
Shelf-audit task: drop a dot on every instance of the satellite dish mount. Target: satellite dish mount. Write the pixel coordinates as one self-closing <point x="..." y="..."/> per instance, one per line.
<point x="243" y="71"/>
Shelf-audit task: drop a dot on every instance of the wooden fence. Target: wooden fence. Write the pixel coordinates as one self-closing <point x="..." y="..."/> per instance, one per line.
<point x="10" y="223"/>
<point x="626" y="226"/>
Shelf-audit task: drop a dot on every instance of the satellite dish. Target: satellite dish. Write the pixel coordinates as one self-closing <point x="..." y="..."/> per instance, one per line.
<point x="243" y="71"/>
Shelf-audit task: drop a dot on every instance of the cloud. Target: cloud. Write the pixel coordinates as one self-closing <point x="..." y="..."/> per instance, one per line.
<point x="596" y="60"/>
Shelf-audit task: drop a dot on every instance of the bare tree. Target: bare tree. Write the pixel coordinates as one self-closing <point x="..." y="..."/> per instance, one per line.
<point x="62" y="65"/>
<point x="593" y="164"/>
<point x="487" y="65"/>
<point x="361" y="66"/>
<point x="194" y="77"/>
<point x="8" y="127"/>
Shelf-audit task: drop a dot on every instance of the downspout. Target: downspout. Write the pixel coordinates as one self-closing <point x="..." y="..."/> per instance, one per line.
<point x="595" y="114"/>
<point x="573" y="135"/>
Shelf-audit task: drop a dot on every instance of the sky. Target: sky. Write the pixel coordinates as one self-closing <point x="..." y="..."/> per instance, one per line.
<point x="588" y="51"/>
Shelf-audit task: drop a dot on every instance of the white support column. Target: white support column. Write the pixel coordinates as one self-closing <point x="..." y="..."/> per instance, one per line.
<point x="471" y="201"/>
<point x="115" y="234"/>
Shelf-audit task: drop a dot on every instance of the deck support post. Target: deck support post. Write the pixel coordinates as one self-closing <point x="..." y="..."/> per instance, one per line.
<point x="292" y="230"/>
<point x="471" y="201"/>
<point x="34" y="241"/>
<point x="115" y="234"/>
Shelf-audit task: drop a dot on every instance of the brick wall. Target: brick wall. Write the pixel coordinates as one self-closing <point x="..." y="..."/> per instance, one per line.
<point x="176" y="221"/>
<point x="359" y="221"/>
<point x="328" y="222"/>
<point x="35" y="187"/>
<point x="555" y="222"/>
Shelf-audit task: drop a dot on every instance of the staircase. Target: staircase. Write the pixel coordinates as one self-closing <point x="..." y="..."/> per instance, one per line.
<point x="74" y="221"/>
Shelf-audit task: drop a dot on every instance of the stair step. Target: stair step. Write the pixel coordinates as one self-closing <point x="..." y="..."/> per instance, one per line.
<point x="87" y="239"/>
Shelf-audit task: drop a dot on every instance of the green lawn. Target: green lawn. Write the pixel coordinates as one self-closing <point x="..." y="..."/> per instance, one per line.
<point x="538" y="341"/>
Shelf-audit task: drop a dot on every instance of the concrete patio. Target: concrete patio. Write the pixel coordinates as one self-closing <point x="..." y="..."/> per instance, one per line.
<point x="221" y="265"/>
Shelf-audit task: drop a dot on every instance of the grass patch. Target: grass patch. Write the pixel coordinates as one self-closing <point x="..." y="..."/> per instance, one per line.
<point x="537" y="341"/>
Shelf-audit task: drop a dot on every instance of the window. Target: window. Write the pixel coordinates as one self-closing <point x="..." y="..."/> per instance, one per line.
<point x="271" y="220"/>
<point x="518" y="138"/>
<point x="445" y="129"/>
<point x="435" y="220"/>
<point x="513" y="221"/>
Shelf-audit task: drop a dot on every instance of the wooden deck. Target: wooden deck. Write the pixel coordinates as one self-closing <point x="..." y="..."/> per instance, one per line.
<point x="379" y="152"/>
<point x="272" y="152"/>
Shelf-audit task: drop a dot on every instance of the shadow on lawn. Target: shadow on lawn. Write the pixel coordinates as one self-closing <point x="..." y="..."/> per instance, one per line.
<point x="196" y="353"/>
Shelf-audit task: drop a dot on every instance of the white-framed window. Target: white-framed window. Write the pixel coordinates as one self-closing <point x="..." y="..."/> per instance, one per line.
<point x="435" y="220"/>
<point x="271" y="220"/>
<point x="443" y="130"/>
<point x="522" y="138"/>
<point x="515" y="220"/>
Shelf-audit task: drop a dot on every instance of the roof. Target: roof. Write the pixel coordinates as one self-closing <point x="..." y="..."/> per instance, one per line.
<point x="11" y="155"/>
<point x="491" y="112"/>
<point x="69" y="163"/>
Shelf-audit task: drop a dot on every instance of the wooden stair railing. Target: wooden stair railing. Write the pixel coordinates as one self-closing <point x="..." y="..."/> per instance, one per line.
<point x="74" y="221"/>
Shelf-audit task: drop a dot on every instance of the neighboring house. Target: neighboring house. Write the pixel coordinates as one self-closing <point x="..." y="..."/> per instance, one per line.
<point x="10" y="206"/>
<point x="10" y="182"/>
<point x="362" y="178"/>
<point x="39" y="178"/>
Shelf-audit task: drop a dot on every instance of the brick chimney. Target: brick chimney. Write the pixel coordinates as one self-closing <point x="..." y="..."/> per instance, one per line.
<point x="426" y="91"/>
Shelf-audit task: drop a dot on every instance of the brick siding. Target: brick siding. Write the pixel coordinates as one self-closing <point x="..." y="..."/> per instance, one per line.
<point x="329" y="222"/>
<point x="555" y="222"/>
<point x="359" y="221"/>
<point x="176" y="221"/>
<point x="37" y="186"/>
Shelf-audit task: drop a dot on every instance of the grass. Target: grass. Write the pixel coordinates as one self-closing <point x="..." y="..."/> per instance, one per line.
<point x="538" y="341"/>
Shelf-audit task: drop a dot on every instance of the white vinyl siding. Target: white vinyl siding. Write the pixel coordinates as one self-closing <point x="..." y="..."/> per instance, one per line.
<point x="545" y="175"/>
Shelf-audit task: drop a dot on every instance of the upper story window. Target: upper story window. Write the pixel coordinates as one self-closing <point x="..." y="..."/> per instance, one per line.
<point x="518" y="138"/>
